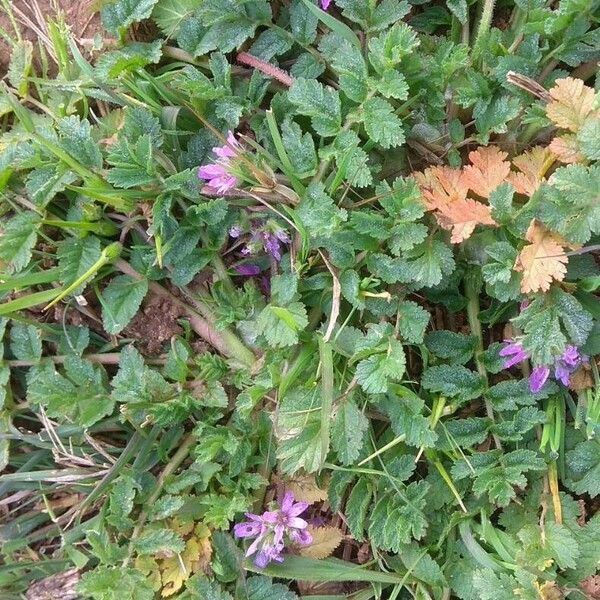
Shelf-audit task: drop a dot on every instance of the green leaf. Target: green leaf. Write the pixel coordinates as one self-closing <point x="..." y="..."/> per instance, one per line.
<point x="115" y="583"/>
<point x="497" y="475"/>
<point x="166" y="506"/>
<point x="120" y="503"/>
<point x="454" y="381"/>
<point x="42" y="184"/>
<point x="588" y="139"/>
<point x="19" y="67"/>
<point x="427" y="263"/>
<point x="299" y="147"/>
<point x="501" y="204"/>
<point x="280" y="325"/>
<point x="135" y="382"/>
<point x="350" y="284"/>
<point x="318" y="213"/>
<point x="132" y="163"/>
<point x="388" y="50"/>
<point x="509" y="395"/>
<point x="130" y="58"/>
<point x="405" y="411"/>
<point x="303" y="22"/>
<point x="392" y="84"/>
<point x="76" y="139"/>
<point x="372" y="17"/>
<point x="203" y="589"/>
<point x="464" y="433"/>
<point x="351" y="159"/>
<point x="75" y="257"/>
<point x="347" y="61"/>
<point x="357" y="507"/>
<point x="454" y="347"/>
<point x="320" y="103"/>
<point x="153" y="541"/>
<point x="120" y="15"/>
<point x="570" y="205"/>
<point x="583" y="463"/>
<point x="382" y="124"/>
<point x="262" y="588"/>
<point x="503" y="282"/>
<point x="170" y="14"/>
<point x="121" y="300"/>
<point x="398" y="518"/>
<point x="375" y="373"/>
<point x="269" y="44"/>
<point x="79" y="396"/>
<point x="332" y="23"/>
<point x="18" y="238"/>
<point x="459" y="9"/>
<point x="493" y="586"/>
<point x="348" y="431"/>
<point x="413" y="321"/>
<point x="25" y="342"/>
<point x="519" y="424"/>
<point x="298" y="427"/>
<point x="492" y="116"/>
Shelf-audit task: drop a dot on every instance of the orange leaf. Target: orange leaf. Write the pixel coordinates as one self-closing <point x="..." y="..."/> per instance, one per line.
<point x="571" y="103"/>
<point x="440" y="186"/>
<point x="542" y="261"/>
<point x="461" y="217"/>
<point x="444" y="192"/>
<point x="324" y="541"/>
<point x="488" y="170"/>
<point x="533" y="165"/>
<point x="565" y="148"/>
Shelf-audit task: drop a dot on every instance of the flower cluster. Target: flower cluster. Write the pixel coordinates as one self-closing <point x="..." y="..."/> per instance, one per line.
<point x="268" y="237"/>
<point x="218" y="174"/>
<point x="564" y="365"/>
<point x="272" y="529"/>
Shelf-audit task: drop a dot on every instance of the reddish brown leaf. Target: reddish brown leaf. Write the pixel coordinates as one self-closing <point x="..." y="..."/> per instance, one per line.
<point x="488" y="170"/>
<point x="542" y="261"/>
<point x="571" y="103"/>
<point x="565" y="148"/>
<point x="462" y="216"/>
<point x="533" y="166"/>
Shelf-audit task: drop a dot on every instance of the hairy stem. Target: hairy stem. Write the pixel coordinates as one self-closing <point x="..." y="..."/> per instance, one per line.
<point x="472" y="289"/>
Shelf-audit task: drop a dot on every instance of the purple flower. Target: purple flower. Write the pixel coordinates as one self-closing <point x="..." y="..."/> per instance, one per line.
<point x="325" y="4"/>
<point x="271" y="529"/>
<point x="567" y="363"/>
<point x="564" y="365"/>
<point x="218" y="175"/>
<point x="514" y="354"/>
<point x="538" y="378"/>
<point x="235" y="231"/>
<point x="248" y="270"/>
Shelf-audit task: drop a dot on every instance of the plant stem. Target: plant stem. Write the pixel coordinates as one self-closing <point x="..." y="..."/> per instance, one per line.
<point x="226" y="342"/>
<point x="485" y="22"/>
<point x="472" y="289"/>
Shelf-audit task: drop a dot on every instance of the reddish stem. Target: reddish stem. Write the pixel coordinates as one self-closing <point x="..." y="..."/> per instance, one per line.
<point x="266" y="68"/>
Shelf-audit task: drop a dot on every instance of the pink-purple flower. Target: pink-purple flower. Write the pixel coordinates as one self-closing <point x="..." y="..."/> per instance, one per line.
<point x="325" y="4"/>
<point x="272" y="529"/>
<point x="218" y="174"/>
<point x="564" y="365"/>
<point x="268" y="236"/>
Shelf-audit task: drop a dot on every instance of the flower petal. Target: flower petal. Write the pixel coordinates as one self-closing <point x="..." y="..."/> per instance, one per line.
<point x="538" y="378"/>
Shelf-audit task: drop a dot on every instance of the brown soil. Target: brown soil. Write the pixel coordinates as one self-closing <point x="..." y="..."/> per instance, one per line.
<point x="31" y="17"/>
<point x="154" y="324"/>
